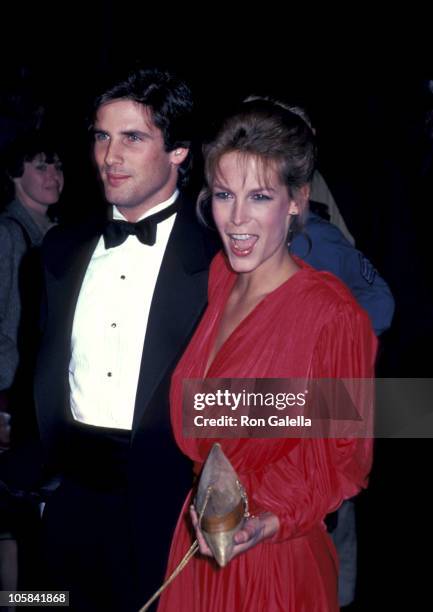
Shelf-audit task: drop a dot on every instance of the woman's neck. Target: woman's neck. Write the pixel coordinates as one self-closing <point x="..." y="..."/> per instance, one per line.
<point x="266" y="278"/>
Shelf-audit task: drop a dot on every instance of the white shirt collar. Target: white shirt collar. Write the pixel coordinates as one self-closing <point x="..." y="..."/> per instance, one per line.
<point x="118" y="215"/>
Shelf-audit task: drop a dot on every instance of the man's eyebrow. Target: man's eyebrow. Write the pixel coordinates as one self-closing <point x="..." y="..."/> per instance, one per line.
<point x="133" y="132"/>
<point x="129" y="132"/>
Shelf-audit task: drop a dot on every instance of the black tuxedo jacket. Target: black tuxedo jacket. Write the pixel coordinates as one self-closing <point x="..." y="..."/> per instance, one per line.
<point x="158" y="475"/>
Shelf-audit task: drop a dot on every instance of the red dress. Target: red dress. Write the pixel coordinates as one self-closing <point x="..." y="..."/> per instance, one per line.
<point x="309" y="326"/>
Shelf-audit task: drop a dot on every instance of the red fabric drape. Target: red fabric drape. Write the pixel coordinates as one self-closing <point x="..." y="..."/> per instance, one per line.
<point x="312" y="327"/>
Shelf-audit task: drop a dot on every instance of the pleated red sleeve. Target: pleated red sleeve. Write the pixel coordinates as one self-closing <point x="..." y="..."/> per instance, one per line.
<point x="316" y="475"/>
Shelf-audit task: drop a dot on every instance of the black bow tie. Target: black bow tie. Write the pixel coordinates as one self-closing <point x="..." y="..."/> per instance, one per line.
<point x="116" y="232"/>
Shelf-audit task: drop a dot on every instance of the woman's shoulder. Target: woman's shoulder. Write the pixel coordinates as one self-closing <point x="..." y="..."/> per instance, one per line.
<point x="18" y="225"/>
<point x="326" y="293"/>
<point x="11" y="233"/>
<point x="324" y="282"/>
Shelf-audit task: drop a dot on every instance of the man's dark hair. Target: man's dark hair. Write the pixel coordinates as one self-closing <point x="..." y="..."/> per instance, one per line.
<point x="169" y="100"/>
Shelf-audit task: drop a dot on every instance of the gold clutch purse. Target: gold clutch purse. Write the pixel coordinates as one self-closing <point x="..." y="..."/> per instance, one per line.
<point x="221" y="504"/>
<point x="222" y="507"/>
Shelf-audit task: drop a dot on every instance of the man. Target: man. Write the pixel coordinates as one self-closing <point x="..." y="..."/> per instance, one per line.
<point x="324" y="247"/>
<point x="118" y="319"/>
<point x="119" y="314"/>
<point x="321" y="194"/>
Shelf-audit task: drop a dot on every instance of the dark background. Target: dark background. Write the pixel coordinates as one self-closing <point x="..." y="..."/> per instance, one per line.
<point x="369" y="102"/>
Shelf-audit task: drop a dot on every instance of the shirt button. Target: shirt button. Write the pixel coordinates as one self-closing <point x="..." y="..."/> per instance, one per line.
<point x="109" y="374"/>
<point x="113" y="325"/>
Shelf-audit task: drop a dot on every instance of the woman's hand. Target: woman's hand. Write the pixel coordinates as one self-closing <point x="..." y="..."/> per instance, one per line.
<point x="255" y="529"/>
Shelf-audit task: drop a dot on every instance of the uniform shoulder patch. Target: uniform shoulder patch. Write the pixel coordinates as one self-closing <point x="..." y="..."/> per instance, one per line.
<point x="368" y="271"/>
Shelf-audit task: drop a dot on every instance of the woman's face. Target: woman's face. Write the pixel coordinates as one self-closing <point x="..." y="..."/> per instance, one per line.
<point x="41" y="182"/>
<point x="251" y="209"/>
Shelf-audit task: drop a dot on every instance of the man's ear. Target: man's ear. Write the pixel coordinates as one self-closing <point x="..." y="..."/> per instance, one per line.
<point x="178" y="155"/>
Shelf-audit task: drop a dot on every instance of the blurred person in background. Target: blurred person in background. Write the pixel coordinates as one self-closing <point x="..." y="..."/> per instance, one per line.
<point x="34" y="182"/>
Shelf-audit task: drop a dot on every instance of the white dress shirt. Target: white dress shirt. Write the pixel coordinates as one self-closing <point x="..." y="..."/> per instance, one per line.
<point x="110" y="325"/>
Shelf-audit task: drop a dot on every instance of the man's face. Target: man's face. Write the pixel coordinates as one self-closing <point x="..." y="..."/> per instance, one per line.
<point x="41" y="183"/>
<point x="136" y="171"/>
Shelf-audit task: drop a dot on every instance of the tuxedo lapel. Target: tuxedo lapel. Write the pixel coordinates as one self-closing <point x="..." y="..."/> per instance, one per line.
<point x="69" y="268"/>
<point x="178" y="302"/>
<point x="66" y="257"/>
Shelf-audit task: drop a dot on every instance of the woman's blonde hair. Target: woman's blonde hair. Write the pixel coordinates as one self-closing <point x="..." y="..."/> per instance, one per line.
<point x="280" y="137"/>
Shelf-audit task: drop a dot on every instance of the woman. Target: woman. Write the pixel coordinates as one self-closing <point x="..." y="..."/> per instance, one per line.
<point x="35" y="183"/>
<point x="270" y="316"/>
